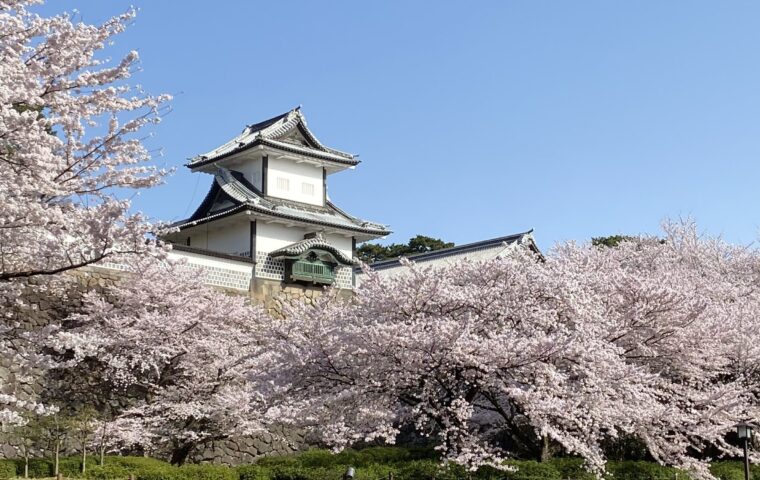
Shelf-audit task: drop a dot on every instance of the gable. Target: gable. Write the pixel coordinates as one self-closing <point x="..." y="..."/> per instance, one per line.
<point x="296" y="137"/>
<point x="221" y="202"/>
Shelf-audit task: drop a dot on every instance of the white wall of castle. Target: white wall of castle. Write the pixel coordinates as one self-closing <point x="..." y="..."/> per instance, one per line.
<point x="273" y="236"/>
<point x="252" y="172"/>
<point x="341" y="243"/>
<point x="301" y="182"/>
<point x="232" y="238"/>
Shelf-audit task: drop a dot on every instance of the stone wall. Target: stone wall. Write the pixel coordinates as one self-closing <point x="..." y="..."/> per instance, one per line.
<point x="273" y="294"/>
<point x="241" y="450"/>
<point x="45" y="301"/>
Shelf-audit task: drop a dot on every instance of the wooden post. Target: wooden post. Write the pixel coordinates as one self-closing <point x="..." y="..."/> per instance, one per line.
<point x="59" y="476"/>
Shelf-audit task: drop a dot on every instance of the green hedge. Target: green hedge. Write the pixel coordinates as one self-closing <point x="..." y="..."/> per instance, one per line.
<point x="7" y="469"/>
<point x="640" y="470"/>
<point x="371" y="464"/>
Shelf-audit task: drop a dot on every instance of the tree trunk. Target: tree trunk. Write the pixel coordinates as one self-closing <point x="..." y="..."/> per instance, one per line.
<point x="546" y="449"/>
<point x="180" y="453"/>
<point x="26" y="463"/>
<point x="57" y="454"/>
<point x="103" y="446"/>
<point x="84" y="458"/>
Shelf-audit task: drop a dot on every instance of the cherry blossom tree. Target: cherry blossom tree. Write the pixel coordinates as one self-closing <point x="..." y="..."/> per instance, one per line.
<point x="649" y="339"/>
<point x="181" y="350"/>
<point x="70" y="136"/>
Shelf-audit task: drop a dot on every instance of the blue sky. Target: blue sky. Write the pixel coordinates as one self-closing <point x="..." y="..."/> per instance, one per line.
<point x="473" y="119"/>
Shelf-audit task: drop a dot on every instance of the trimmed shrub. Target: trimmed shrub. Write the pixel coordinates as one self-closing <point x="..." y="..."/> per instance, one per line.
<point x="71" y="466"/>
<point x="135" y="462"/>
<point x="279" y="460"/>
<point x="38" y="467"/>
<point x="392" y="455"/>
<point x="283" y="472"/>
<point x="374" y="472"/>
<point x="572" y="468"/>
<point x="318" y="458"/>
<point x="730" y="470"/>
<point x="252" y="472"/>
<point x="107" y="472"/>
<point x="532" y="470"/>
<point x="640" y="470"/>
<point x="424" y="470"/>
<point x="8" y="468"/>
<point x="207" y="472"/>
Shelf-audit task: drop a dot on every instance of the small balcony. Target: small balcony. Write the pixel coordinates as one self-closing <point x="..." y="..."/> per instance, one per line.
<point x="312" y="271"/>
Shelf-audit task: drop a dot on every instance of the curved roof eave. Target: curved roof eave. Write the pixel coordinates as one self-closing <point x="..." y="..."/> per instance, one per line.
<point x="182" y="224"/>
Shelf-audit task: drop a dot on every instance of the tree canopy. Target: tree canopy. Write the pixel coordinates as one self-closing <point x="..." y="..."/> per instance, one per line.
<point x="374" y="252"/>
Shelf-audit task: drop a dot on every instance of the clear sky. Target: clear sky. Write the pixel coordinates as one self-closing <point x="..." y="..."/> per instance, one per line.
<point x="473" y="119"/>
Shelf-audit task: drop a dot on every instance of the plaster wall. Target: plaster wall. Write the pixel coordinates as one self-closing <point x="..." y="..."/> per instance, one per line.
<point x="301" y="182"/>
<point x="271" y="236"/>
<point x="233" y="238"/>
<point x="251" y="170"/>
<point x="345" y="245"/>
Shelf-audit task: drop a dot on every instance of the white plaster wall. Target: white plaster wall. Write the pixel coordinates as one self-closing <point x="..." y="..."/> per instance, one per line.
<point x="271" y="236"/>
<point x="251" y="170"/>
<point x="221" y="272"/>
<point x="231" y="238"/>
<point x="206" y="261"/>
<point x="341" y="243"/>
<point x="297" y="174"/>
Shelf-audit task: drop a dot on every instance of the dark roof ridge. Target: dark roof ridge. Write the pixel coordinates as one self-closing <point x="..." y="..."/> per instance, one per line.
<point x="269" y="132"/>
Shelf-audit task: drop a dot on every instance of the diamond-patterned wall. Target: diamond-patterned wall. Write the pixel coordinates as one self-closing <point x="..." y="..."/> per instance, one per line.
<point x="269" y="268"/>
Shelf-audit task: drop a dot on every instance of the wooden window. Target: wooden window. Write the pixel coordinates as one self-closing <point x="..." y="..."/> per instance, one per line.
<point x="283" y="184"/>
<point x="307" y="189"/>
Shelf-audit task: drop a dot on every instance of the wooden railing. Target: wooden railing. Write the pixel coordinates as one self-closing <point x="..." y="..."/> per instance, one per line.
<point x="312" y="271"/>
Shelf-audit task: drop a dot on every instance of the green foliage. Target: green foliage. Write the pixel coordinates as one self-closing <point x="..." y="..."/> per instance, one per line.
<point x="373" y="252"/>
<point x="611" y="241"/>
<point x="730" y="470"/>
<point x="570" y="467"/>
<point x="207" y="472"/>
<point x="252" y="472"/>
<point x="374" y="463"/>
<point x="292" y="472"/>
<point x="38" y="467"/>
<point x="422" y="470"/>
<point x="374" y="472"/>
<point x="70" y="466"/>
<point x="107" y="472"/>
<point x="8" y="468"/>
<point x="532" y="470"/>
<point x="134" y="464"/>
<point x="640" y="470"/>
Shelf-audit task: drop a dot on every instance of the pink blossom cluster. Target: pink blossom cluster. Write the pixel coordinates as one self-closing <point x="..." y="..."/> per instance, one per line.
<point x="69" y="137"/>
<point x="654" y="339"/>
